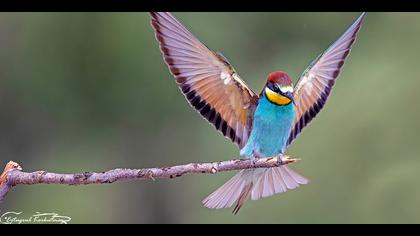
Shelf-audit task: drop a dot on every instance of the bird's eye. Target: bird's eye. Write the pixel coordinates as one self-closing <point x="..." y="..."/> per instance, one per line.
<point x="275" y="87"/>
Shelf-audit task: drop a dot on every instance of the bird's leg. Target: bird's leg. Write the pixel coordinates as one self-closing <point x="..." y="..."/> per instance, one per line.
<point x="284" y="160"/>
<point x="255" y="156"/>
<point x="280" y="160"/>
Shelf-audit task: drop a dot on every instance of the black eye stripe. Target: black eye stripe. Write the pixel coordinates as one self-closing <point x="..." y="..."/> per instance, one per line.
<point x="274" y="87"/>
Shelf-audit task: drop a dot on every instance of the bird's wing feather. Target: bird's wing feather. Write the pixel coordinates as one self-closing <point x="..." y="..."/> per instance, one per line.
<point x="314" y="86"/>
<point x="208" y="81"/>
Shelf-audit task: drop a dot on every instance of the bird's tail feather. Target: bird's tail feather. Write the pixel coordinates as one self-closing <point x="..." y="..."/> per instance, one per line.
<point x="254" y="183"/>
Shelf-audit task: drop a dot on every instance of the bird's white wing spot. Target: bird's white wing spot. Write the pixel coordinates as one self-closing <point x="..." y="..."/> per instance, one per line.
<point x="225" y="76"/>
<point x="307" y="83"/>
<point x="227" y="80"/>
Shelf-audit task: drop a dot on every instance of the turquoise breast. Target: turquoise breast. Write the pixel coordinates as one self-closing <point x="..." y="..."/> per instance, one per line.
<point x="270" y="130"/>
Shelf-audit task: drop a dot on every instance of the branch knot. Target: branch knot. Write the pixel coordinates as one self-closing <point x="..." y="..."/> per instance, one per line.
<point x="11" y="166"/>
<point x="4" y="178"/>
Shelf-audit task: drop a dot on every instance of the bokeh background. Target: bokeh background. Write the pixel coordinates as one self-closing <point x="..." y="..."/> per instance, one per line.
<point x="90" y="92"/>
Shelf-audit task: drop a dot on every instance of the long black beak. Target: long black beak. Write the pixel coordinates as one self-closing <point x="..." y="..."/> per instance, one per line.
<point x="289" y="95"/>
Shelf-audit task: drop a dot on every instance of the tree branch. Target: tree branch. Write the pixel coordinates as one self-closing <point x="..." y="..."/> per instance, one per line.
<point x="13" y="174"/>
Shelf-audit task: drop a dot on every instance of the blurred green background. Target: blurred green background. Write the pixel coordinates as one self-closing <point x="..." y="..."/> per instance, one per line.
<point x="90" y="92"/>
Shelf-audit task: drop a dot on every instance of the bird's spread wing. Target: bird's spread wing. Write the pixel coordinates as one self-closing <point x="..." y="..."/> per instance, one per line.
<point x="208" y="81"/>
<point x="315" y="84"/>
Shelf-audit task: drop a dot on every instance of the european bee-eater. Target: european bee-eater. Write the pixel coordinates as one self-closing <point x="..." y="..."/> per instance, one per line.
<point x="261" y="125"/>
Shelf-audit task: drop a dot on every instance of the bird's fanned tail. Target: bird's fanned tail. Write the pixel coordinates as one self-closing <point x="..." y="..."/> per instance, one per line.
<point x="254" y="184"/>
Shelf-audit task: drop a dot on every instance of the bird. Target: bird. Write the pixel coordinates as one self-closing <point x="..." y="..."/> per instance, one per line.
<point x="261" y="125"/>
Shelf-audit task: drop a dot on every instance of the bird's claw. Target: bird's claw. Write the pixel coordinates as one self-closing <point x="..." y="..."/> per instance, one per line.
<point x="255" y="157"/>
<point x="254" y="161"/>
<point x="280" y="161"/>
<point x="285" y="160"/>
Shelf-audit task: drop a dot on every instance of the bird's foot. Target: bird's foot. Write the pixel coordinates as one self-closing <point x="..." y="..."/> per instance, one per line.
<point x="255" y="157"/>
<point x="285" y="160"/>
<point x="254" y="160"/>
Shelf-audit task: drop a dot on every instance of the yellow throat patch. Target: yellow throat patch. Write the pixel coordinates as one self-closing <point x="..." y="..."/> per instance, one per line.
<point x="276" y="98"/>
